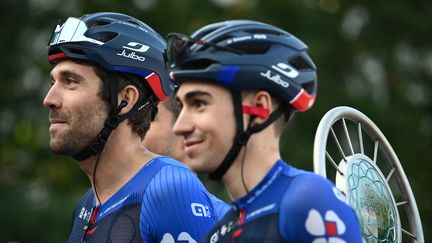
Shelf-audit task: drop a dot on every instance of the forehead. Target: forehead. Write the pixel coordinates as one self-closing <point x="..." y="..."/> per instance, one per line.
<point x="191" y="86"/>
<point x="68" y="67"/>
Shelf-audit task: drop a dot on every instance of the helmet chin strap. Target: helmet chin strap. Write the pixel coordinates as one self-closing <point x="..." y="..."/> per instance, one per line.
<point x="242" y="136"/>
<point x="111" y="123"/>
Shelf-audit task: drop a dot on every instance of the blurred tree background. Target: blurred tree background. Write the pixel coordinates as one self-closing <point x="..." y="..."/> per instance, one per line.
<point x="375" y="56"/>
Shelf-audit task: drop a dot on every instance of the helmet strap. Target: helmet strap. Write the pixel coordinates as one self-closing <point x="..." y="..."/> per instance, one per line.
<point x="242" y="136"/>
<point x="111" y="123"/>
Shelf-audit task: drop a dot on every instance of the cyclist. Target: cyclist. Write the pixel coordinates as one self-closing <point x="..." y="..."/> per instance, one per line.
<point x="161" y="140"/>
<point x="108" y="75"/>
<point x="241" y="81"/>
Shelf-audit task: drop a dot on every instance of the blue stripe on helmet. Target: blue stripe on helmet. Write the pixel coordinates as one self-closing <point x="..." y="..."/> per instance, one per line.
<point x="227" y="73"/>
<point x="141" y="72"/>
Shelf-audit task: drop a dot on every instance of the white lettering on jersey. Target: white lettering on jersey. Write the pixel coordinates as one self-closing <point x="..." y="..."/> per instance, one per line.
<point x="200" y="210"/>
<point x="85" y="214"/>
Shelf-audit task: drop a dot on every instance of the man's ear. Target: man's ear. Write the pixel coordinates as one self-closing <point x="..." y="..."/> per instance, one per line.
<point x="262" y="100"/>
<point x="127" y="98"/>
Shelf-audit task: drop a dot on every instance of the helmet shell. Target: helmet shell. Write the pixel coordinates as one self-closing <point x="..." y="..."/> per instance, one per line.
<point x="271" y="59"/>
<point x="127" y="45"/>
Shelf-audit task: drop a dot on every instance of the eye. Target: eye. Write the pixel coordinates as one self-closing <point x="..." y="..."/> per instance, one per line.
<point x="198" y="104"/>
<point x="52" y="83"/>
<point x="70" y="81"/>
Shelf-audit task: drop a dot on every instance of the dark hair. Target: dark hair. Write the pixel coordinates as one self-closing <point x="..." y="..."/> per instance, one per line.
<point x="172" y="105"/>
<point x="139" y="120"/>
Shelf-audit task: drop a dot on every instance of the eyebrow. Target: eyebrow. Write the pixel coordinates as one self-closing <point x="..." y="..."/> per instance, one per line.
<point x="195" y="93"/>
<point x="68" y="73"/>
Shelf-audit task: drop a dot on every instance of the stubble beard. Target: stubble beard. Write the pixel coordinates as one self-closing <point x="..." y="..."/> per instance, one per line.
<point x="83" y="127"/>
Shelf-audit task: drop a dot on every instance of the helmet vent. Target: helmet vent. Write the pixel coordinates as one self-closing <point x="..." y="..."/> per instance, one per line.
<point x="99" y="22"/>
<point x="197" y="64"/>
<point x="252" y="48"/>
<point x="104" y="36"/>
<point x="76" y="51"/>
<point x="299" y="63"/>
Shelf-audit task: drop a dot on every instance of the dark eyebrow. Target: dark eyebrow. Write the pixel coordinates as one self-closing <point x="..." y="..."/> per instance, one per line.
<point x="68" y="73"/>
<point x="195" y="93"/>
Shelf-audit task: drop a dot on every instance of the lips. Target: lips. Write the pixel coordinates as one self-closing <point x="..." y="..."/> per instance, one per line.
<point x="56" y="124"/>
<point x="191" y="145"/>
<point x="56" y="121"/>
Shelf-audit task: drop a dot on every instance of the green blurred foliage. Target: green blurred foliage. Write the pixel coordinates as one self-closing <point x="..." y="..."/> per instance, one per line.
<point x="374" y="56"/>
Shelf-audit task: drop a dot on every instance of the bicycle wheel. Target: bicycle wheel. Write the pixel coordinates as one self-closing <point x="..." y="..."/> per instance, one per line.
<point x="366" y="169"/>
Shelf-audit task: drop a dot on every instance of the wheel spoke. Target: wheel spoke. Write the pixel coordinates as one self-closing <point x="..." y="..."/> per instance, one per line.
<point x="328" y="156"/>
<point x="375" y="151"/>
<point x="401" y="203"/>
<point x="359" y="128"/>
<point x="338" y="144"/>
<point x="347" y="136"/>
<point x="409" y="234"/>
<point x="390" y="174"/>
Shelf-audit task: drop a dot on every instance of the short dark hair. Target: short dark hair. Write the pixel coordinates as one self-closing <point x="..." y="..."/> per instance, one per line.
<point x="173" y="106"/>
<point x="139" y="120"/>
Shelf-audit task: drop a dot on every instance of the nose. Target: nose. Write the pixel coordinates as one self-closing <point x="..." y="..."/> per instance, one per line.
<point x="52" y="99"/>
<point x="184" y="123"/>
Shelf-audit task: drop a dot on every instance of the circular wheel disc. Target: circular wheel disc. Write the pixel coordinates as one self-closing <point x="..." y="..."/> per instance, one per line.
<point x="363" y="165"/>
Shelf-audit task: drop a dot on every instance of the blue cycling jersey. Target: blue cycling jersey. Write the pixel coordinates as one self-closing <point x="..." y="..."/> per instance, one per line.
<point x="164" y="202"/>
<point x="289" y="205"/>
<point x="220" y="207"/>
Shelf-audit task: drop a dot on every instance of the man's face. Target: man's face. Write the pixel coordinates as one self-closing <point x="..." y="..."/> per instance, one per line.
<point x="77" y="112"/>
<point x="206" y="122"/>
<point x="160" y="139"/>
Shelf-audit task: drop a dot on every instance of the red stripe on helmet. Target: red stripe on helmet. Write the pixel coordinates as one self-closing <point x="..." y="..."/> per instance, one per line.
<point x="56" y="56"/>
<point x="303" y="101"/>
<point x="257" y="111"/>
<point x="155" y="83"/>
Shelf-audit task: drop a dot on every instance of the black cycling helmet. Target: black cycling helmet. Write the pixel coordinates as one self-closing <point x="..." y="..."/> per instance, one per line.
<point x="246" y="55"/>
<point x="116" y="42"/>
<point x="120" y="43"/>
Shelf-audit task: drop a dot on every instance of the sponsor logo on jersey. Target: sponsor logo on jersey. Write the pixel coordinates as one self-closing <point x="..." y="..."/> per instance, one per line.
<point x="215" y="237"/>
<point x="183" y="237"/>
<point x="200" y="210"/>
<point x="263" y="188"/>
<point x="262" y="210"/>
<point x="116" y="204"/>
<point x="85" y="214"/>
<point x="224" y="229"/>
<point x="328" y="227"/>
<point x="134" y="47"/>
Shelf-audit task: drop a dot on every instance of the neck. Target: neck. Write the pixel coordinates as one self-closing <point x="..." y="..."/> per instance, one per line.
<point x="122" y="157"/>
<point x="257" y="158"/>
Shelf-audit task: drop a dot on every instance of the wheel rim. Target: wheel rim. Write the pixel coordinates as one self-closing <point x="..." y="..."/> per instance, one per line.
<point x="366" y="169"/>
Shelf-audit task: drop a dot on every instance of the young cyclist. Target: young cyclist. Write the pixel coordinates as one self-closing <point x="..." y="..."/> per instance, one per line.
<point x="161" y="140"/>
<point x="241" y="81"/>
<point x="108" y="75"/>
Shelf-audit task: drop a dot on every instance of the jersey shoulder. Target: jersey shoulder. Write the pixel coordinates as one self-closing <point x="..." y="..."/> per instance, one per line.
<point x="313" y="208"/>
<point x="219" y="206"/>
<point x="175" y="193"/>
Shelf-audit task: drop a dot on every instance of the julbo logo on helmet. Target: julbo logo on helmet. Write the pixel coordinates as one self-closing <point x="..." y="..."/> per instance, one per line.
<point x="134" y="47"/>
